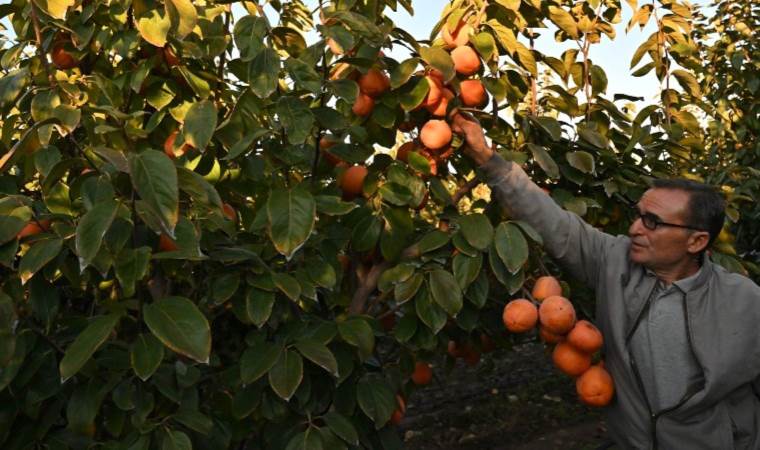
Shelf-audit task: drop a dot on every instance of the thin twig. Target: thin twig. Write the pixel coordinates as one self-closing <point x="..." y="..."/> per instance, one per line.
<point x="222" y="63"/>
<point x="470" y="185"/>
<point x="43" y="55"/>
<point x="366" y="287"/>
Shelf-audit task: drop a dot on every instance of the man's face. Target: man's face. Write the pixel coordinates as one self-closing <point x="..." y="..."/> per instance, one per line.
<point x="665" y="246"/>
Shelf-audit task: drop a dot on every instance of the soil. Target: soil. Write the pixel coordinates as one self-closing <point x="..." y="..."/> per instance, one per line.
<point x="513" y="399"/>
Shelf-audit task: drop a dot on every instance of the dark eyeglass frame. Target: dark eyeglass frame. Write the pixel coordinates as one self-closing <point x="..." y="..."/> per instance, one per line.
<point x="651" y="222"/>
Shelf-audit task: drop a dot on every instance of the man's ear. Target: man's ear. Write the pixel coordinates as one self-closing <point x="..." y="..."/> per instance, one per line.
<point x="698" y="241"/>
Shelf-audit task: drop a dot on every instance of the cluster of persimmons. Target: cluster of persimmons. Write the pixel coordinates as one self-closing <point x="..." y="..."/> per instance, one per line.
<point x="575" y="341"/>
<point x="434" y="137"/>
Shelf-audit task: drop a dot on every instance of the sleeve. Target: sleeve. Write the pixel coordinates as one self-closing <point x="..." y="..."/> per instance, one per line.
<point x="578" y="246"/>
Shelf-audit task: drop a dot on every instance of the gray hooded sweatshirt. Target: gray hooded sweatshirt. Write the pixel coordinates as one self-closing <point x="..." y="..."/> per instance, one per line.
<point x="719" y="408"/>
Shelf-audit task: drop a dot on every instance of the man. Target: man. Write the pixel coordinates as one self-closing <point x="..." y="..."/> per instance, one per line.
<point x="682" y="335"/>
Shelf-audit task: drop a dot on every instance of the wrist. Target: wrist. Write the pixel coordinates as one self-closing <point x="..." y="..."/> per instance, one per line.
<point x="482" y="155"/>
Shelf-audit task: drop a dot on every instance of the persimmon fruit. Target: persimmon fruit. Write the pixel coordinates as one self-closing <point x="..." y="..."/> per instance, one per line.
<point x="466" y="60"/>
<point x="585" y="336"/>
<point x="546" y="286"/>
<point x="570" y="360"/>
<point x="520" y="315"/>
<point x="422" y="374"/>
<point x="435" y="134"/>
<point x="352" y="181"/>
<point x="472" y="93"/>
<point x="595" y="386"/>
<point x="557" y="314"/>
<point x="374" y="82"/>
<point x="363" y="105"/>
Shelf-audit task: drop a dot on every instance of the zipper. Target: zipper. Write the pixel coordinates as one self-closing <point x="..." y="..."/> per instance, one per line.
<point x="689" y="393"/>
<point x="639" y="382"/>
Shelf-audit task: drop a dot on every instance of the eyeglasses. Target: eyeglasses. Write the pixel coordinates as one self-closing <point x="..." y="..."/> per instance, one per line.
<point x="651" y="222"/>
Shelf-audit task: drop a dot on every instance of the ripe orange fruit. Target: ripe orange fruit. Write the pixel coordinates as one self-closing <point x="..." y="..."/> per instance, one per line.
<point x="473" y="93"/>
<point x="437" y="74"/>
<point x="486" y="343"/>
<point x="466" y="61"/>
<point x="546" y="286"/>
<point x="557" y="314"/>
<point x="363" y="105"/>
<point x="453" y="349"/>
<point x="422" y="373"/>
<point x="398" y="414"/>
<point x="586" y="336"/>
<point x="460" y="35"/>
<point x="352" y="181"/>
<point x="325" y="142"/>
<point x="33" y="227"/>
<point x="471" y="356"/>
<point x="439" y="109"/>
<point x="170" y="57"/>
<point x="62" y="59"/>
<point x="595" y="386"/>
<point x="374" y="82"/>
<point x="549" y="337"/>
<point x="519" y="316"/>
<point x="229" y="211"/>
<point x="435" y="134"/>
<point x="169" y="149"/>
<point x="167" y="244"/>
<point x="435" y="92"/>
<point x="570" y="360"/>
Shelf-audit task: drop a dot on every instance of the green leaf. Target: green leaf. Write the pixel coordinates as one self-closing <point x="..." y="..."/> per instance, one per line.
<point x="511" y="246"/>
<point x="180" y="325"/>
<point x="446" y="291"/>
<point x="198" y="188"/>
<point x="258" y="306"/>
<point x="310" y="439"/>
<point x="466" y="268"/>
<point x="154" y="177"/>
<point x="319" y="354"/>
<point x="55" y="8"/>
<point x="593" y="137"/>
<point x="286" y="374"/>
<point x="581" y="160"/>
<point x="11" y="225"/>
<point x="183" y="16"/>
<point x="477" y="230"/>
<point x="564" y="21"/>
<point x="263" y="75"/>
<point x="341" y="426"/>
<point x="376" y="399"/>
<point x="405" y="290"/>
<point x="291" y="215"/>
<point x="429" y="313"/>
<point x="304" y="75"/>
<point x="542" y="157"/>
<point x="145" y="355"/>
<point x="296" y="118"/>
<point x="345" y="89"/>
<point x="91" y="230"/>
<point x="321" y="273"/>
<point x="257" y="360"/>
<point x="176" y="440"/>
<point x="526" y="59"/>
<point x="402" y="72"/>
<point x="86" y="343"/>
<point x="440" y="60"/>
<point x="358" y="333"/>
<point x="39" y="254"/>
<point x="413" y="98"/>
<point x="11" y="85"/>
<point x="366" y="233"/>
<point x="688" y="82"/>
<point x="194" y="420"/>
<point x="485" y="45"/>
<point x="200" y="123"/>
<point x="333" y="206"/>
<point x="598" y="80"/>
<point x="131" y="266"/>
<point x="153" y="25"/>
<point x="287" y="284"/>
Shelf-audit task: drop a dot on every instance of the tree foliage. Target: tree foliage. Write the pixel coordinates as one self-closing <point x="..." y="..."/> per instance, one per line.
<point x="180" y="265"/>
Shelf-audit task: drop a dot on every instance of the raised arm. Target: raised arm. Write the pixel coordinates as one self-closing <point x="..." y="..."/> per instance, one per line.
<point x="578" y="246"/>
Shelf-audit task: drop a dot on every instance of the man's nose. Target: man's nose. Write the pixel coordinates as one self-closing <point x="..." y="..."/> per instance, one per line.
<point x="636" y="227"/>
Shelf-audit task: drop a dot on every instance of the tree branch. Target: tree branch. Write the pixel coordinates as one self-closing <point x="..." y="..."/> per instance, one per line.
<point x="43" y="55"/>
<point x="464" y="190"/>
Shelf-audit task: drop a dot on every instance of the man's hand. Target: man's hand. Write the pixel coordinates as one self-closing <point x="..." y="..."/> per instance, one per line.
<point x="475" y="147"/>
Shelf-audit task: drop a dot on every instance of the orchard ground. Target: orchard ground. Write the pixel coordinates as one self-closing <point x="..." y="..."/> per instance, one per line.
<point x="513" y="399"/>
